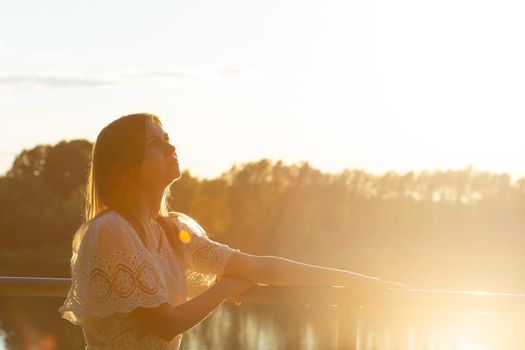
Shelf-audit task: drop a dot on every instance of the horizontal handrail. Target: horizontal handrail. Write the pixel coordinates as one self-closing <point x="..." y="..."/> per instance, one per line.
<point x="411" y="297"/>
<point x="59" y="287"/>
<point x="474" y="301"/>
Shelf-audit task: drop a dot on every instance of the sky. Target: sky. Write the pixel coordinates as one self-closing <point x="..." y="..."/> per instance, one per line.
<point x="377" y="85"/>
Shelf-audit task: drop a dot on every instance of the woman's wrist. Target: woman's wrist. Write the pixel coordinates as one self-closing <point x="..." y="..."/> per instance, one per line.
<point x="221" y="289"/>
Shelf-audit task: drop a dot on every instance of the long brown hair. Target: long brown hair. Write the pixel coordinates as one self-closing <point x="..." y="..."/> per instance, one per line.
<point x="113" y="180"/>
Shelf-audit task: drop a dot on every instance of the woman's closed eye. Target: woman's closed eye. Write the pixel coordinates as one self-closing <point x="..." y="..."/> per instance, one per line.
<point x="155" y="143"/>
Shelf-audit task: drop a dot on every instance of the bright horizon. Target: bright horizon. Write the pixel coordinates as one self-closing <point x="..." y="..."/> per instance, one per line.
<point x="404" y="86"/>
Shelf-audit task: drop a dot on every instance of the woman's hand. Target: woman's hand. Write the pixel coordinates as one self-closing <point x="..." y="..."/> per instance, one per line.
<point x="234" y="285"/>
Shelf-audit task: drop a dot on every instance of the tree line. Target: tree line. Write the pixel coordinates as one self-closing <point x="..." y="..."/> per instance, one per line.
<point x="440" y="229"/>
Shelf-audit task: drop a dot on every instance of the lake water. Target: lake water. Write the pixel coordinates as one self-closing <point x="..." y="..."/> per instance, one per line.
<point x="279" y="327"/>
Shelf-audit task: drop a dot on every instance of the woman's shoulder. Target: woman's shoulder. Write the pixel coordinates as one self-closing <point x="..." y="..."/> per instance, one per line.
<point x="178" y="216"/>
<point x="185" y="222"/>
<point x="106" y="230"/>
<point x="109" y="225"/>
<point x="107" y="218"/>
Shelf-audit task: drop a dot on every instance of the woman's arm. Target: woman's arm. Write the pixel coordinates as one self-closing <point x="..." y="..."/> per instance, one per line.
<point x="284" y="272"/>
<point x="167" y="321"/>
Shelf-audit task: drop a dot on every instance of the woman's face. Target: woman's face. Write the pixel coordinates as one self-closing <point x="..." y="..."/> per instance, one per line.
<point x="160" y="166"/>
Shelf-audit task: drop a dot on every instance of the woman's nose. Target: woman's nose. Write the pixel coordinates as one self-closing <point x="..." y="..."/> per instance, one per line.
<point x="169" y="148"/>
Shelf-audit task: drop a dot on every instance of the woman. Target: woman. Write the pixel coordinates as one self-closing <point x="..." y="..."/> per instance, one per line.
<point x="131" y="276"/>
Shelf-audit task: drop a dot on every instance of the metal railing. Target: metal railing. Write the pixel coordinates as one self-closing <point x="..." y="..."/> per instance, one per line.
<point x="347" y="305"/>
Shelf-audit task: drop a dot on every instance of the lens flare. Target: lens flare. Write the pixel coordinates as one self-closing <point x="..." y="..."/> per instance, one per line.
<point x="184" y="237"/>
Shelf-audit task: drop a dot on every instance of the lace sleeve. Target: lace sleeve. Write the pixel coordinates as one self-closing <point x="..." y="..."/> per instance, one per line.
<point x="202" y="254"/>
<point x="112" y="272"/>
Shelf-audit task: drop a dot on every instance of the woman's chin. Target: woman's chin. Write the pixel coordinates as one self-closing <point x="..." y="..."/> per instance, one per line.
<point x="175" y="172"/>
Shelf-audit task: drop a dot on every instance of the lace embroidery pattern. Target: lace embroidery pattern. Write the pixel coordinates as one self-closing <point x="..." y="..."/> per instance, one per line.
<point x="205" y="256"/>
<point x="135" y="337"/>
<point x="120" y="331"/>
<point x="113" y="273"/>
<point x="123" y="281"/>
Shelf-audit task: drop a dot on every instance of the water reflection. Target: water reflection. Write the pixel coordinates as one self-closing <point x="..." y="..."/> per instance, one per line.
<point x="269" y="327"/>
<point x="254" y="326"/>
<point x="2" y="341"/>
<point x="389" y="329"/>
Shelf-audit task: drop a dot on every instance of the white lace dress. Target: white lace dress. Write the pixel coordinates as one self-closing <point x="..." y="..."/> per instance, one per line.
<point x="113" y="273"/>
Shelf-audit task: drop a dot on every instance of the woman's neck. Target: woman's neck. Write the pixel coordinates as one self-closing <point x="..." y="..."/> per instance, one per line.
<point x="154" y="199"/>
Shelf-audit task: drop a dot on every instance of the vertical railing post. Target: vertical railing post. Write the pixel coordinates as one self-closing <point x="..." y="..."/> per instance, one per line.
<point x="347" y="327"/>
